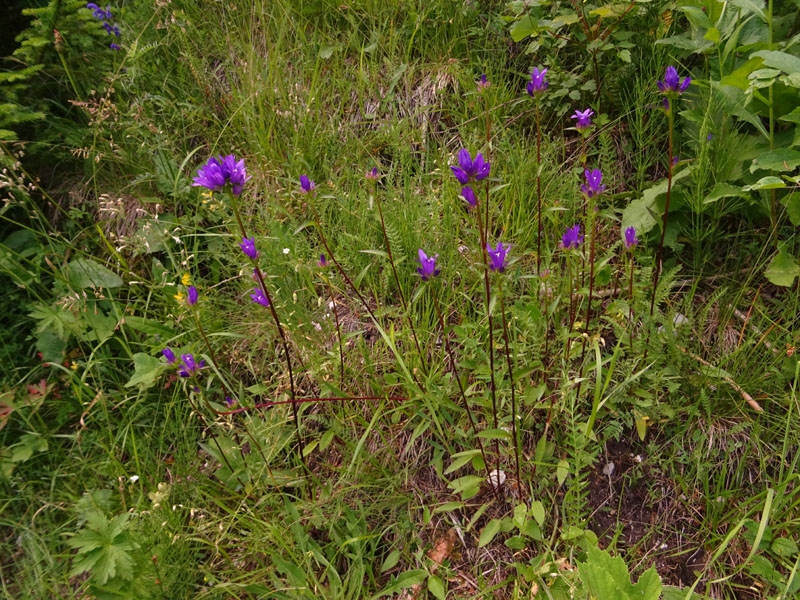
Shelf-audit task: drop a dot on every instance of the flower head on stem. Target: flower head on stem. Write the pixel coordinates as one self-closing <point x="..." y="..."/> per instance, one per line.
<point x="538" y="83"/>
<point x="594" y="183"/>
<point x="470" y="169"/>
<point x="498" y="259"/>
<point x="630" y="238"/>
<point x="427" y="268"/>
<point x="306" y="185"/>
<point x="190" y="366"/>
<point x="572" y="238"/>
<point x="584" y="119"/>
<point x="248" y="246"/>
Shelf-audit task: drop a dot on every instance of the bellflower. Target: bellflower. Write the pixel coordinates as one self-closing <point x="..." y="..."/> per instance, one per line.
<point x="113" y="46"/>
<point x="572" y="238"/>
<point x="672" y="82"/>
<point x="584" y="119"/>
<point x="476" y="169"/>
<point x="169" y="355"/>
<point x="306" y="185"/>
<point x="189" y="366"/>
<point x="258" y="297"/>
<point x="593" y="185"/>
<point x="497" y="257"/>
<point x="469" y="195"/>
<point x="373" y="174"/>
<point x="211" y="176"/>
<point x="538" y="83"/>
<point x="229" y="401"/>
<point x="483" y="83"/>
<point x="427" y="268"/>
<point x="248" y="246"/>
<point x="237" y="173"/>
<point x="630" y="238"/>
<point x="322" y="262"/>
<point x="191" y="296"/>
<point x="98" y="12"/>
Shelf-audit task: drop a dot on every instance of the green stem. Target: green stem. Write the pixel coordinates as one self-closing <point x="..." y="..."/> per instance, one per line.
<point x="511" y="378"/>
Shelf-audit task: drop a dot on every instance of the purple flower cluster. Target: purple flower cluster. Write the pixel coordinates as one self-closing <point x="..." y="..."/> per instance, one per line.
<point x="189" y="366"/>
<point x="470" y="169"/>
<point x="538" y="83"/>
<point x="572" y="238"/>
<point x="258" y="297"/>
<point x="306" y="185"/>
<point x="427" y="268"/>
<point x="101" y="15"/>
<point x="191" y="296"/>
<point x="248" y="246"/>
<point x="469" y="195"/>
<point x="483" y="83"/>
<point x="630" y="238"/>
<point x="219" y="171"/>
<point x="672" y="82"/>
<point x="584" y="119"/>
<point x="594" y="183"/>
<point x="497" y="256"/>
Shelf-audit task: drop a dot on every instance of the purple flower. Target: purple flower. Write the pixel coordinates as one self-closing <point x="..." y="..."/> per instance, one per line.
<point x="237" y="173"/>
<point x="107" y="26"/>
<point x="427" y="268"/>
<point x="229" y="401"/>
<point x="630" y="238"/>
<point x="666" y="104"/>
<point x="584" y="119"/>
<point x="483" y="83"/>
<point x="116" y="31"/>
<point x="572" y="238"/>
<point x="169" y="355"/>
<point x="113" y="46"/>
<point x="709" y="136"/>
<point x="538" y="83"/>
<point x="191" y="296"/>
<point x="189" y="366"/>
<point x="248" y="246"/>
<point x="322" y="262"/>
<point x="593" y="185"/>
<point x="373" y="174"/>
<point x="477" y="169"/>
<point x="497" y="257"/>
<point x="258" y="297"/>
<point x="99" y="13"/>
<point x="306" y="185"/>
<point x="469" y="195"/>
<point x="211" y="175"/>
<point x="672" y="82"/>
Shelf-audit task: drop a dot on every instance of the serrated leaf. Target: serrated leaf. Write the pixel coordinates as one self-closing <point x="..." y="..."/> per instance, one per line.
<point x="648" y="587"/>
<point x="766" y="183"/>
<point x="783" y="269"/>
<point x="784" y="159"/>
<point x="779" y="60"/>
<point x="489" y="532"/>
<point x="146" y="369"/>
<point x="84" y="273"/>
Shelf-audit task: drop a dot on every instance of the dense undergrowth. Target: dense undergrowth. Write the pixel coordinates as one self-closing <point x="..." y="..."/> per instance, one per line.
<point x="248" y="381"/>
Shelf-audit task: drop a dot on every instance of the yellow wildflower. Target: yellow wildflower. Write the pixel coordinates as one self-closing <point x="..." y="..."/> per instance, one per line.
<point x="179" y="297"/>
<point x="186" y="279"/>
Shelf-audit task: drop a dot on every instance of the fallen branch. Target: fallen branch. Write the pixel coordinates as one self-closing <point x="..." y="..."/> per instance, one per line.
<point x="755" y="405"/>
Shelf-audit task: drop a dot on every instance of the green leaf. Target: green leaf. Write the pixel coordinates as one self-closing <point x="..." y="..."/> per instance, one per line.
<point x="712" y="35"/>
<point x="487" y="535"/>
<point x="562" y="470"/>
<point x="751" y="6"/>
<point x="648" y="587"/>
<point x="537" y="511"/>
<point x="146" y="369"/>
<point x="527" y="25"/>
<point x="494" y="434"/>
<point x="84" y="273"/>
<point x="784" y="547"/>
<point x="783" y="269"/>
<point x="391" y="560"/>
<point x="447" y="507"/>
<point x="436" y="587"/>
<point x="766" y="183"/>
<point x="723" y="190"/>
<point x="792" y="117"/>
<point x="405" y="580"/>
<point x="784" y="159"/>
<point x="624" y="55"/>
<point x="461" y="459"/>
<point x="779" y="60"/>
<point x="792" y="204"/>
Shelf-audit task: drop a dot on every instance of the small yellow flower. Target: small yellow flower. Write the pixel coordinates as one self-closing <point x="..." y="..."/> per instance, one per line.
<point x="74" y="366"/>
<point x="186" y="279"/>
<point x="179" y="297"/>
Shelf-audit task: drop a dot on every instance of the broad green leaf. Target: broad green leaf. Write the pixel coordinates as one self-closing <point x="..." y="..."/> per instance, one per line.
<point x="487" y="535"/>
<point x="784" y="547"/>
<point x="447" y="507"/>
<point x="537" y="511"/>
<point x="784" y="159"/>
<point x="84" y="273"/>
<point x="648" y="587"/>
<point x="779" y="60"/>
<point x="527" y="25"/>
<point x="624" y="55"/>
<point x="751" y="6"/>
<point x="766" y="183"/>
<point x="783" y="269"/>
<point x="494" y="434"/>
<point x="792" y="204"/>
<point x="696" y="17"/>
<point x="146" y="369"/>
<point x="391" y="560"/>
<point x="723" y="190"/>
<point x="792" y="117"/>
<point x="436" y="587"/>
<point x="461" y="459"/>
<point x="712" y="35"/>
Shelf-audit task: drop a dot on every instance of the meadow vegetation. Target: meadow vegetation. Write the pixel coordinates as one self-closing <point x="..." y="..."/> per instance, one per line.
<point x="406" y="299"/>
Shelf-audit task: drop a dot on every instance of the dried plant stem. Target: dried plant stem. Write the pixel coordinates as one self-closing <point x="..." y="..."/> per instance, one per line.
<point x="423" y="362"/>
<point x="511" y="378"/>
<point x="657" y="272"/>
<point x="338" y="333"/>
<point x="630" y="296"/>
<point x="592" y="233"/>
<point x="451" y="356"/>
<point x="281" y="332"/>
